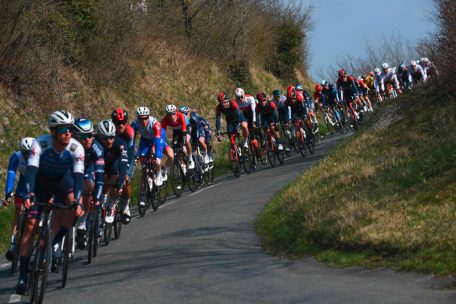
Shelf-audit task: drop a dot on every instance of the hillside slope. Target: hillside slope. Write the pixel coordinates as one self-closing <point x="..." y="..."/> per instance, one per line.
<point x="386" y="197"/>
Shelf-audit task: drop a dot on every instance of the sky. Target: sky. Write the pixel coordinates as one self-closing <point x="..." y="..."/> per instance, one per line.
<point x="342" y="27"/>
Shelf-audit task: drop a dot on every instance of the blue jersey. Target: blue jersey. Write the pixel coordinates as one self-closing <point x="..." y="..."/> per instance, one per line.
<point x="94" y="164"/>
<point x="50" y="163"/>
<point x="17" y="162"/>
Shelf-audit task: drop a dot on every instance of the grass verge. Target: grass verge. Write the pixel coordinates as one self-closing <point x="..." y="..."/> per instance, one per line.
<point x="384" y="198"/>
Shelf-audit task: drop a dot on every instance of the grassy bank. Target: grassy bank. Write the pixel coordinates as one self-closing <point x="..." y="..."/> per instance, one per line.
<point x="386" y="197"/>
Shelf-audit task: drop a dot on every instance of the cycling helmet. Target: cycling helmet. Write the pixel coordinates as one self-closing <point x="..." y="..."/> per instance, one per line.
<point x="26" y="143"/>
<point x="299" y="87"/>
<point x="350" y="78"/>
<point x="83" y="126"/>
<point x="171" y="109"/>
<point x="385" y="65"/>
<point x="222" y="96"/>
<point x="426" y="60"/>
<point x="184" y="109"/>
<point x="60" y="118"/>
<point x="413" y="63"/>
<point x="239" y="92"/>
<point x="377" y="71"/>
<point x="291" y="92"/>
<point x="342" y="73"/>
<point x="276" y="93"/>
<point x="106" y="128"/>
<point x="142" y="111"/>
<point x="372" y="73"/>
<point x="261" y="96"/>
<point x="324" y="82"/>
<point x="318" y="87"/>
<point x="331" y="86"/>
<point x="119" y="114"/>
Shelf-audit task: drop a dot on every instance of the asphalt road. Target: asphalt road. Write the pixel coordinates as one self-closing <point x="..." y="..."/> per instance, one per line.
<point x="203" y="248"/>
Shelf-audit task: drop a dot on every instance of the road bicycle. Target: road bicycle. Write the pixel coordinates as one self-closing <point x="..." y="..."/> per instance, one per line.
<point x="150" y="194"/>
<point x="272" y="149"/>
<point x="238" y="157"/>
<point x="17" y="240"/>
<point x="41" y="260"/>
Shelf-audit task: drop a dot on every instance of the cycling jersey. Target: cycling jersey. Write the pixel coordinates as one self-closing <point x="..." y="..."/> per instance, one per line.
<point x="248" y="107"/>
<point x="51" y="165"/>
<point x="329" y="97"/>
<point x="388" y="76"/>
<point x="17" y="162"/>
<point x="296" y="109"/>
<point x="404" y="77"/>
<point x="281" y="108"/>
<point x="94" y="165"/>
<point x="417" y="73"/>
<point x="129" y="137"/>
<point x="149" y="135"/>
<point x="369" y="81"/>
<point x="116" y="160"/>
<point x="178" y="124"/>
<point x="346" y="89"/>
<point x="233" y="116"/>
<point x="267" y="113"/>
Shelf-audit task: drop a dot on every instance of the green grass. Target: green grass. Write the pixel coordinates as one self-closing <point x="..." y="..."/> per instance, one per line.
<point x="385" y="197"/>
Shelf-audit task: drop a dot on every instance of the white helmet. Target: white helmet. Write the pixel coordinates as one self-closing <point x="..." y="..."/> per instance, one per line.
<point x="26" y="143"/>
<point x="413" y="63"/>
<point x="426" y="60"/>
<point x="60" y="118"/>
<point x="385" y="65"/>
<point x="170" y="109"/>
<point x="377" y="70"/>
<point x="142" y="111"/>
<point x="106" y="128"/>
<point x="324" y="82"/>
<point x="239" y="92"/>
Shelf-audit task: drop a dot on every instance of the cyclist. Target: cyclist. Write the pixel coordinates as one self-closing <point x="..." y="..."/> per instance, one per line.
<point x="93" y="173"/>
<point x="429" y="68"/>
<point x="363" y="91"/>
<point x="199" y="131"/>
<point x="417" y="72"/>
<point x="125" y="131"/>
<point x="296" y="108"/>
<point x="17" y="162"/>
<point x="311" y="120"/>
<point x="317" y="95"/>
<point x="152" y="137"/>
<point x="233" y="115"/>
<point x="176" y="120"/>
<point x="268" y="117"/>
<point x="116" y="164"/>
<point x="55" y="169"/>
<point x="247" y="105"/>
<point x="388" y="76"/>
<point x="404" y="77"/>
<point x="347" y="92"/>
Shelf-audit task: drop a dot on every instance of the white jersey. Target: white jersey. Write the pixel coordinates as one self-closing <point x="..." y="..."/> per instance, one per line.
<point x="248" y="106"/>
<point x="55" y="164"/>
<point x="389" y="76"/>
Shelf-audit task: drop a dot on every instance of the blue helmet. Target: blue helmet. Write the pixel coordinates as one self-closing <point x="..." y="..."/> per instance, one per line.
<point x="83" y="126"/>
<point x="299" y="87"/>
<point x="276" y="93"/>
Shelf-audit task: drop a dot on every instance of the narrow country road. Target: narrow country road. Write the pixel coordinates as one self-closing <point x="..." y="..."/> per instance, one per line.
<point x="203" y="248"/>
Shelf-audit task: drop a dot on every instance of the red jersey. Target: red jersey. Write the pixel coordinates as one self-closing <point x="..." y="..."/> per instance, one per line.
<point x="179" y="124"/>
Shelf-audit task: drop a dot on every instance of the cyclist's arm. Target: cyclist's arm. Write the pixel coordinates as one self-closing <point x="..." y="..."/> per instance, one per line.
<point x="217" y="118"/>
<point x="159" y="132"/>
<point x="253" y="107"/>
<point x="12" y="168"/>
<point x="33" y="163"/>
<point x="78" y="171"/>
<point x="99" y="173"/>
<point x="123" y="166"/>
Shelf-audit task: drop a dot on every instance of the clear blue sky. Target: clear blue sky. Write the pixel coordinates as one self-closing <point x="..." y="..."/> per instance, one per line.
<point x="342" y="27"/>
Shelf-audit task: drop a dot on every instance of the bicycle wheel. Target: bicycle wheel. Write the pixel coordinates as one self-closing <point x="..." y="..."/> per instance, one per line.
<point x="328" y="124"/>
<point x="117" y="225"/>
<point x="235" y="164"/>
<point x="271" y="158"/>
<point x="107" y="233"/>
<point x="177" y="179"/>
<point x="155" y="199"/>
<point x="17" y="241"/>
<point x="163" y="193"/>
<point x="66" y="257"/>
<point x="301" y="145"/>
<point x="143" y="193"/>
<point x="246" y="160"/>
<point x="41" y="269"/>
<point x="311" y="145"/>
<point x="280" y="156"/>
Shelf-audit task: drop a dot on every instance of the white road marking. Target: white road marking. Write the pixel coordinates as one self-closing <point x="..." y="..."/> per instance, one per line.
<point x="15" y="298"/>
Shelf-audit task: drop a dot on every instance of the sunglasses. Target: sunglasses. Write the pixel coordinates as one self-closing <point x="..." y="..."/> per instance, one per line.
<point x="143" y="117"/>
<point x="107" y="137"/>
<point x="85" y="136"/>
<point x="121" y="122"/>
<point x="63" y="130"/>
<point x="26" y="152"/>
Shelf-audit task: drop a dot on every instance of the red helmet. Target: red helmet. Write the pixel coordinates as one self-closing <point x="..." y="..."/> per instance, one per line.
<point x="261" y="96"/>
<point x="350" y="78"/>
<point x="318" y="88"/>
<point x="291" y="92"/>
<point x="342" y="73"/>
<point x="119" y="114"/>
<point x="371" y="73"/>
<point x="222" y="96"/>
